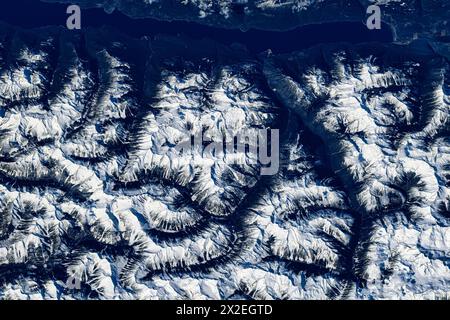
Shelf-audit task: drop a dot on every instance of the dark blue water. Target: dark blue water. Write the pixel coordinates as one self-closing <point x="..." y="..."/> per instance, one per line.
<point x="33" y="13"/>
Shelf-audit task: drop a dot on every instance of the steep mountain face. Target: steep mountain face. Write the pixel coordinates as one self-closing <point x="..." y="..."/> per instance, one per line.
<point x="409" y="19"/>
<point x="93" y="190"/>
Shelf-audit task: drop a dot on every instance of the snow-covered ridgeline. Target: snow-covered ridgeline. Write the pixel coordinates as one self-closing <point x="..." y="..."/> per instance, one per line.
<point x="91" y="181"/>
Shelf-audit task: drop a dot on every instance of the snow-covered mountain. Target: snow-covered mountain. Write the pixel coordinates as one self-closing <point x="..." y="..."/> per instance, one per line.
<point x="92" y="188"/>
